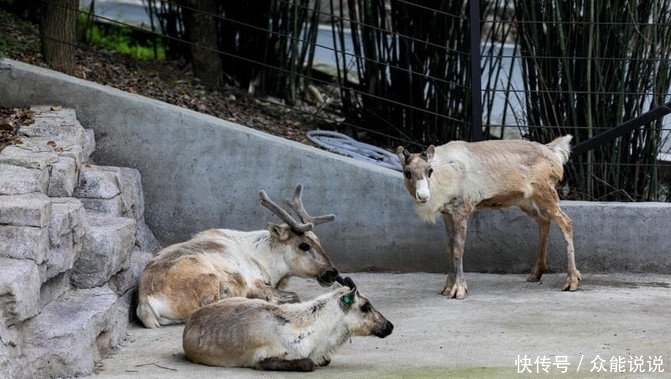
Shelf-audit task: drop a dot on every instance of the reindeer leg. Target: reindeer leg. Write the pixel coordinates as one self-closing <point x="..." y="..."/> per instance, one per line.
<point x="459" y="288"/>
<point x="541" y="265"/>
<point x="449" y="232"/>
<point x="279" y="364"/>
<point x="263" y="291"/>
<point x="565" y="224"/>
<point x="283" y="297"/>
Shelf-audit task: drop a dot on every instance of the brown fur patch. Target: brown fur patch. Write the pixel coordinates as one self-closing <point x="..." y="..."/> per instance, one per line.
<point x="502" y="200"/>
<point x="231" y="284"/>
<point x="178" y="273"/>
<point x="206" y="246"/>
<point x="190" y="285"/>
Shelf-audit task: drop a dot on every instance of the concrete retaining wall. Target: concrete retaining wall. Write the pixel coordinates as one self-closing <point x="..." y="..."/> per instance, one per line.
<point x="202" y="172"/>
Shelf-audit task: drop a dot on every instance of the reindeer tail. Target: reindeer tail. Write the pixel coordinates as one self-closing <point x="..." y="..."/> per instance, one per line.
<point x="561" y="147"/>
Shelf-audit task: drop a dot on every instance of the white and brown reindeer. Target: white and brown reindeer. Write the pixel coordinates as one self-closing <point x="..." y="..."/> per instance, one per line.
<point x="456" y="179"/>
<point x="221" y="263"/>
<point x="241" y="332"/>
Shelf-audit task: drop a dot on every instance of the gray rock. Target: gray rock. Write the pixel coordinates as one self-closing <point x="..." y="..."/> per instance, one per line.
<point x="131" y="194"/>
<point x="127" y="279"/>
<point x="33" y="209"/>
<point x="106" y="250"/>
<point x="71" y="334"/>
<point x="89" y="145"/>
<point x="15" y="180"/>
<point x="60" y="125"/>
<point x="69" y="218"/>
<point x="98" y="182"/>
<point x="74" y="152"/>
<point x="60" y="258"/>
<point x="63" y="177"/>
<point x="144" y="238"/>
<point x="54" y="287"/>
<point x="19" y="290"/>
<point x="30" y="154"/>
<point x="9" y="350"/>
<point x="113" y="206"/>
<point x="24" y="242"/>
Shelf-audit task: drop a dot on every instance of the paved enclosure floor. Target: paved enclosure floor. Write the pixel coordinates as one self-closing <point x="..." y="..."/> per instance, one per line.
<point x="505" y="328"/>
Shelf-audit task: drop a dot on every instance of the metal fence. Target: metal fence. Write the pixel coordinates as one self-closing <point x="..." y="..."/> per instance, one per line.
<point x="422" y="72"/>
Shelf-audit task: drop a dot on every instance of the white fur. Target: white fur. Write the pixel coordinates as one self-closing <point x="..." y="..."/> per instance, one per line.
<point x="422" y="193"/>
<point x="562" y="148"/>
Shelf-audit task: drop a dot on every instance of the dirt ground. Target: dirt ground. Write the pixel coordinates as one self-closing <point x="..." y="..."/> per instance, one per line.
<point x="173" y="83"/>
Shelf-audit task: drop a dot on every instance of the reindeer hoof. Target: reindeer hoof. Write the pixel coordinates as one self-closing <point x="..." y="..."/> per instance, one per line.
<point x="457" y="290"/>
<point x="533" y="278"/>
<point x="444" y="290"/>
<point x="449" y="283"/>
<point x="536" y="274"/>
<point x="572" y="282"/>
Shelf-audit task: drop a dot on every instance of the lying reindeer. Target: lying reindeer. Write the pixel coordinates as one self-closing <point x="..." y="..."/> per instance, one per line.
<point x="459" y="178"/>
<point x="220" y="263"/>
<point x="240" y="332"/>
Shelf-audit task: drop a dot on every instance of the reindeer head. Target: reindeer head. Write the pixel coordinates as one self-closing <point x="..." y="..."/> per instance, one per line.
<point x="363" y="318"/>
<point x="416" y="172"/>
<point x="304" y="252"/>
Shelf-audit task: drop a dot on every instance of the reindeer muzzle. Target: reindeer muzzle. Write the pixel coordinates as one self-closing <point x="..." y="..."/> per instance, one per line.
<point x="385" y="330"/>
<point x="422" y="191"/>
<point x="328" y="277"/>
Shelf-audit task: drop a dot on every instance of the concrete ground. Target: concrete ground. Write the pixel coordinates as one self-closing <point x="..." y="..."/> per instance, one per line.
<point x="504" y="328"/>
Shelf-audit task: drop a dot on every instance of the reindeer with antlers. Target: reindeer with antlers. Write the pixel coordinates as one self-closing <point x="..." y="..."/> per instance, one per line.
<point x="221" y="263"/>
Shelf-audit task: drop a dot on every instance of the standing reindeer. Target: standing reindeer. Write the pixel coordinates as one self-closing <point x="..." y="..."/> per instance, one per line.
<point x="239" y="332"/>
<point x="220" y="263"/>
<point x="459" y="178"/>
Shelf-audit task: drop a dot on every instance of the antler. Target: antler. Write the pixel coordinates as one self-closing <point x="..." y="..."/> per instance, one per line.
<point x="346" y="281"/>
<point x="286" y="217"/>
<point x="297" y="205"/>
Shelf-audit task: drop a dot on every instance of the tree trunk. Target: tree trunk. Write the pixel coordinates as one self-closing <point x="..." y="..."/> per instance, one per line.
<point x="201" y="23"/>
<point x="58" y="27"/>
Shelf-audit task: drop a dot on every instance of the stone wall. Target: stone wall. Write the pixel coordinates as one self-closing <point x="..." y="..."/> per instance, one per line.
<point x="72" y="242"/>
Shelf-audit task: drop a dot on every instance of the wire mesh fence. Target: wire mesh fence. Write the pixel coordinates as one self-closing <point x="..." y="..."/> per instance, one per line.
<point x="426" y="72"/>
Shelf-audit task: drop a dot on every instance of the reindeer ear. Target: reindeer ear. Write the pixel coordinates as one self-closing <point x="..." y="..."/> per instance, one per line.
<point x="428" y="153"/>
<point x="280" y="231"/>
<point x="402" y="155"/>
